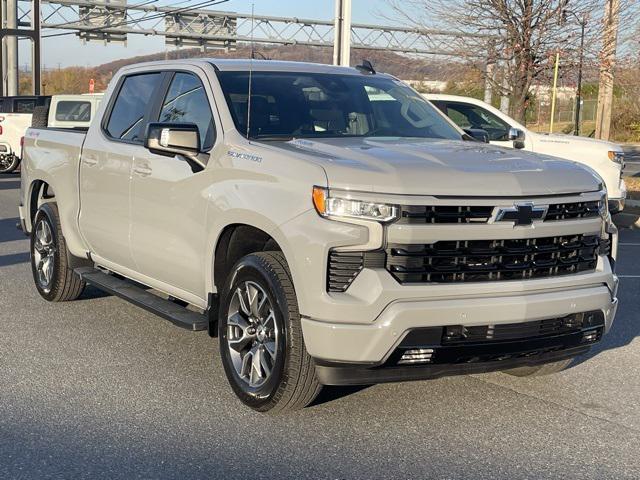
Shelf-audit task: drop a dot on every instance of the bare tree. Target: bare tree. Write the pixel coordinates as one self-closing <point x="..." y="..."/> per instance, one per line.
<point x="526" y="34"/>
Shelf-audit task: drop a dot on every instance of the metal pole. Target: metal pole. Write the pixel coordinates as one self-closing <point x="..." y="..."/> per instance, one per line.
<point x="554" y="92"/>
<point x="579" y="92"/>
<point x="342" y="33"/>
<point x="36" y="58"/>
<point x="12" y="48"/>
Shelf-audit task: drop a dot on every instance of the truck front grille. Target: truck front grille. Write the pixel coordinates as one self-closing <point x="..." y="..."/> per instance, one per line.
<point x="468" y="214"/>
<point x="492" y="260"/>
<point x="416" y="215"/>
<point x="572" y="211"/>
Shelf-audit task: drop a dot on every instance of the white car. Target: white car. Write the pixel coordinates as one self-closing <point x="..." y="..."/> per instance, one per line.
<point x="606" y="158"/>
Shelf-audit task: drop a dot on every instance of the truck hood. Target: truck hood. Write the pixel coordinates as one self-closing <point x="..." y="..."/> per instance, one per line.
<point x="413" y="166"/>
<point x="580" y="149"/>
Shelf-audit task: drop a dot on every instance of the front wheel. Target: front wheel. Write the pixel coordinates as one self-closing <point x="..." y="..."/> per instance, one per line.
<point x="261" y="344"/>
<point x="8" y="163"/>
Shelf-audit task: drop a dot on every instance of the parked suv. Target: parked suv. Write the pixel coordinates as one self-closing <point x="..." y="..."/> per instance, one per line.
<point x="328" y="224"/>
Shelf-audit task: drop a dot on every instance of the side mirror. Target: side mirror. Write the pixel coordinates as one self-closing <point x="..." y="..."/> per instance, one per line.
<point x="478" y="134"/>
<point x="171" y="139"/>
<point x="517" y="137"/>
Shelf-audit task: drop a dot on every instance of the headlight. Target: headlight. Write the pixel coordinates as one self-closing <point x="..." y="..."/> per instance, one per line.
<point x="341" y="207"/>
<point x="617" y="157"/>
<point x="603" y="207"/>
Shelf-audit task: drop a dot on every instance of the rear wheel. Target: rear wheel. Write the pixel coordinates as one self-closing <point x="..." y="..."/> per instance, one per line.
<point x="540" y="370"/>
<point x="260" y="334"/>
<point x="8" y="163"/>
<point x="55" y="281"/>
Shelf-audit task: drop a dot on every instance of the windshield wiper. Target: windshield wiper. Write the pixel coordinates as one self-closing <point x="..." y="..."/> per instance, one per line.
<point x="272" y="138"/>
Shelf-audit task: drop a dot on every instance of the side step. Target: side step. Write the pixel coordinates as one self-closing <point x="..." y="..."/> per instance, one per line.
<point x="140" y="297"/>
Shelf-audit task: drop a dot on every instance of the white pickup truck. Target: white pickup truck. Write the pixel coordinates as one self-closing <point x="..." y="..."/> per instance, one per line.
<point x="606" y="158"/>
<point x="331" y="228"/>
<point x="62" y="111"/>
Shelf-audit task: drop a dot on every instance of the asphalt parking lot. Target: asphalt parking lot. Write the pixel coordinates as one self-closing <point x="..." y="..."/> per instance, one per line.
<point x="632" y="154"/>
<point x="98" y="388"/>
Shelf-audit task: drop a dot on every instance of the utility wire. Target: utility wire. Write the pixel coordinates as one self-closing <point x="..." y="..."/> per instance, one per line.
<point x="159" y="15"/>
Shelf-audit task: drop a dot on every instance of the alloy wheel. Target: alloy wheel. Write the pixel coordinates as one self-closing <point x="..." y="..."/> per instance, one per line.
<point x="252" y="334"/>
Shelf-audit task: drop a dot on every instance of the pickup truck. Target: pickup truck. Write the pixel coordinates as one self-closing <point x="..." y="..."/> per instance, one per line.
<point x="63" y="111"/>
<point x="606" y="158"/>
<point x="15" y="117"/>
<point x="327" y="224"/>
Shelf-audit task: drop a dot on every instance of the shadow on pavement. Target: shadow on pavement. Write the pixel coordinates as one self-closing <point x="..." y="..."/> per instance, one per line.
<point x="10" y="185"/>
<point x="14" y="259"/>
<point x="626" y="327"/>
<point x="8" y="230"/>
<point x="329" y="394"/>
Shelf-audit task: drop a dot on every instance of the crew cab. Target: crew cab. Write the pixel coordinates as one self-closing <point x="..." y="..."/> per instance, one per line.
<point x="327" y="224"/>
<point x="606" y="158"/>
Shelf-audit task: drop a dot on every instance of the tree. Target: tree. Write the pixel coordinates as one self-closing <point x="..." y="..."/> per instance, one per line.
<point x="526" y="33"/>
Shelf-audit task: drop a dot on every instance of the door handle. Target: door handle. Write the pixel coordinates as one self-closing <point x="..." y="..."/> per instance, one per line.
<point x="143" y="171"/>
<point x="90" y="161"/>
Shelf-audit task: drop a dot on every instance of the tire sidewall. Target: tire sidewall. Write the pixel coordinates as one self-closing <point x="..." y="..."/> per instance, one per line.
<point x="251" y="268"/>
<point x="47" y="214"/>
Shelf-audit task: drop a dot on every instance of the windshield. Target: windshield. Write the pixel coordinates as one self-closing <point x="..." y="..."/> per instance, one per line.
<point x="320" y="105"/>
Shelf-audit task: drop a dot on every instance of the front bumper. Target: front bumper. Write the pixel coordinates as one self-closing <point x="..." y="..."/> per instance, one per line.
<point x="526" y="353"/>
<point x="373" y="344"/>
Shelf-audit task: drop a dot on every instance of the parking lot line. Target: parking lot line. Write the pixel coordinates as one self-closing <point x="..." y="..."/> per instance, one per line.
<point x="629" y="244"/>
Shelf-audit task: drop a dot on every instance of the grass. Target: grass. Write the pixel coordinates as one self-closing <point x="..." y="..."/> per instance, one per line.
<point x="633" y="188"/>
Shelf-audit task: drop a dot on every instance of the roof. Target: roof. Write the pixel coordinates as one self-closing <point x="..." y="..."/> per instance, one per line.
<point x="228" y="64"/>
<point x="280" y="66"/>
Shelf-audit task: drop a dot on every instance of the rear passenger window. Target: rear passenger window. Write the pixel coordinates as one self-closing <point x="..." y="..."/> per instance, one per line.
<point x="127" y="116"/>
<point x="186" y="102"/>
<point x="73" y="111"/>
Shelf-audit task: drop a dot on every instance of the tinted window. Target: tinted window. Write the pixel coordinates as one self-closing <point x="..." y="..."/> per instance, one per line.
<point x="24" y="106"/>
<point x="306" y="105"/>
<point x="186" y="102"/>
<point x="127" y="117"/>
<point x="73" y="111"/>
<point x="473" y="116"/>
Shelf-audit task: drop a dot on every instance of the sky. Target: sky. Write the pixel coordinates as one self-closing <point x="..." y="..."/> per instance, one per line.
<point x="69" y="51"/>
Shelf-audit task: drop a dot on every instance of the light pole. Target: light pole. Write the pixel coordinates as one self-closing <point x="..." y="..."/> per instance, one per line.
<point x="582" y="21"/>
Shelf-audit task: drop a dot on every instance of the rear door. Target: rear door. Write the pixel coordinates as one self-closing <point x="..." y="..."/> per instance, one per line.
<point x="168" y="204"/>
<point x="107" y="165"/>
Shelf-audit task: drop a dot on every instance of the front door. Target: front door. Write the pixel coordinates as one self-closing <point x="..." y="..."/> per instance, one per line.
<point x="106" y="168"/>
<point x="169" y="200"/>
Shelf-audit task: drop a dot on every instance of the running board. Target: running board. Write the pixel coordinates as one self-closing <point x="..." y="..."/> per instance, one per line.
<point x="140" y="297"/>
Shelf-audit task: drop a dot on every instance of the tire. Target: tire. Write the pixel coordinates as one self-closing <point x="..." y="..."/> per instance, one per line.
<point x="40" y="117"/>
<point x="540" y="370"/>
<point x="55" y="281"/>
<point x="250" y="335"/>
<point x="8" y="163"/>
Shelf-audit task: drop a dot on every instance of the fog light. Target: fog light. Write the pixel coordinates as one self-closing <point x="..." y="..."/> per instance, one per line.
<point x="416" y="355"/>
<point x="590" y="337"/>
<point x="454" y="332"/>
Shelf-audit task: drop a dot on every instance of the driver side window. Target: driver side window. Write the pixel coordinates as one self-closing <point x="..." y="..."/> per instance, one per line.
<point x="473" y="116"/>
<point x="187" y="102"/>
